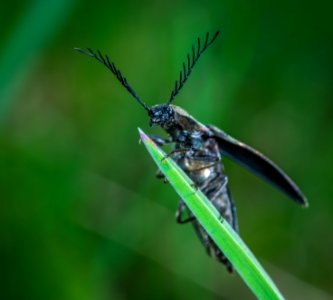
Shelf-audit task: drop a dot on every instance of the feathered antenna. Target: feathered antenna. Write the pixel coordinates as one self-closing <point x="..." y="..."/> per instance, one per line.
<point x="112" y="67"/>
<point x="191" y="61"/>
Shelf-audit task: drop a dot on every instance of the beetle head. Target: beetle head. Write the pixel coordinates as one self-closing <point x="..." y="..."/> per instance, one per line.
<point x="160" y="114"/>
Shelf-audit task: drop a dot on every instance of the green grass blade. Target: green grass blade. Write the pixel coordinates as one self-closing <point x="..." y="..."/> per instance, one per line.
<point x="220" y="231"/>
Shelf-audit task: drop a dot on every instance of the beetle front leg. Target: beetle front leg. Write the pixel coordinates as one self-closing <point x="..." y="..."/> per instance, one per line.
<point x="160" y="141"/>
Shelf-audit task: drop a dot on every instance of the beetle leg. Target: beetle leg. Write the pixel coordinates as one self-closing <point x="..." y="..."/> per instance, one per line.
<point x="213" y="182"/>
<point x="160" y="175"/>
<point x="217" y="184"/>
<point x="207" y="158"/>
<point x="180" y="213"/>
<point x="206" y="167"/>
<point x="222" y="186"/>
<point x="160" y="141"/>
<point x="174" y="151"/>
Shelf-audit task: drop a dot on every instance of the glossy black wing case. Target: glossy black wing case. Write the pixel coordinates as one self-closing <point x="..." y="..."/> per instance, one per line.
<point x="257" y="163"/>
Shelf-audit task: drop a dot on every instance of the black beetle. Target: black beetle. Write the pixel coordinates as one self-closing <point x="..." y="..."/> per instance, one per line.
<point x="198" y="149"/>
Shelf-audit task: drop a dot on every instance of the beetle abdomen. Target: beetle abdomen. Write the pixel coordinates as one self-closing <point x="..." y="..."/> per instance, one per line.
<point x="204" y="167"/>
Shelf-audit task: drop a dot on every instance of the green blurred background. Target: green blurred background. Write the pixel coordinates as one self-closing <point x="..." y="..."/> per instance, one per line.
<point x="82" y="216"/>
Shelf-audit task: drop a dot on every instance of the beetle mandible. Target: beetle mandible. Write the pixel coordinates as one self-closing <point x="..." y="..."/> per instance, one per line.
<point x="198" y="149"/>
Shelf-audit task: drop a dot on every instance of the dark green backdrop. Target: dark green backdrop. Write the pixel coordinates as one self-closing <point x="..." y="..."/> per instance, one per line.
<point x="82" y="216"/>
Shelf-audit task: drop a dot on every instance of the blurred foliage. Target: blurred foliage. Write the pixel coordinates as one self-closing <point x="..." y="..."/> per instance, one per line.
<point x="82" y="216"/>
